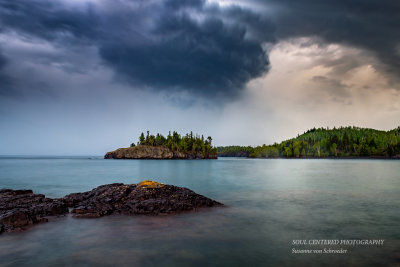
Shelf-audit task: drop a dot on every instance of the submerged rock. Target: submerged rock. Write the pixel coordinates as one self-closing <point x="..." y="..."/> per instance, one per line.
<point x="21" y="208"/>
<point x="154" y="152"/>
<point x="147" y="197"/>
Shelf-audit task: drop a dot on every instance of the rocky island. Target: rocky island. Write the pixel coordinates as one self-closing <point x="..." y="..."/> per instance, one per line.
<point x="156" y="152"/>
<point x="20" y="209"/>
<point x="174" y="146"/>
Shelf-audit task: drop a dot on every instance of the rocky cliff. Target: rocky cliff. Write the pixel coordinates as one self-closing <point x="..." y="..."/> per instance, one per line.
<point x="154" y="152"/>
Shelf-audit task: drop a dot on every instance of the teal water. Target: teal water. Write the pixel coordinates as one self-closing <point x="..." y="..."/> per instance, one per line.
<point x="269" y="203"/>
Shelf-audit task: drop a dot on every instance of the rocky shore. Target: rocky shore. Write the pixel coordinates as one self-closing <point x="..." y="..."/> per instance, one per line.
<point x="20" y="209"/>
<point x="154" y="152"/>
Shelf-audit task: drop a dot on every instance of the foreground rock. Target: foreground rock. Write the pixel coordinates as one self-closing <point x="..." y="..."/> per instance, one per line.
<point x="21" y="208"/>
<point x="147" y="197"/>
<point x="154" y="152"/>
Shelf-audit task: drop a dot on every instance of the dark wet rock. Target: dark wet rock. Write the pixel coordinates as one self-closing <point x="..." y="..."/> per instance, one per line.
<point x="154" y="152"/>
<point x="147" y="197"/>
<point x="22" y="208"/>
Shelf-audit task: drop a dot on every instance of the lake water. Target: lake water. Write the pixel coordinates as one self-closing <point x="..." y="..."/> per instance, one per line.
<point x="269" y="203"/>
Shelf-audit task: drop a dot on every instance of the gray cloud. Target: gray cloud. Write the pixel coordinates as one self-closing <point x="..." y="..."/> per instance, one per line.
<point x="337" y="89"/>
<point x="3" y="60"/>
<point x="368" y="24"/>
<point x="49" y="20"/>
<point x="176" y="45"/>
<point x="6" y="84"/>
<point x="196" y="46"/>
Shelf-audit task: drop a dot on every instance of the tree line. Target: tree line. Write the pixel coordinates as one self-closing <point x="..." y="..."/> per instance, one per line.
<point x="189" y="143"/>
<point x="325" y="142"/>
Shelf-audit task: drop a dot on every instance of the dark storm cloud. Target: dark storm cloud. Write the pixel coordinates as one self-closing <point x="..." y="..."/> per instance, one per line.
<point x="172" y="45"/>
<point x="366" y="24"/>
<point x="176" y="4"/>
<point x="208" y="56"/>
<point x="194" y="47"/>
<point x="48" y="19"/>
<point x="3" y="60"/>
<point x="197" y="46"/>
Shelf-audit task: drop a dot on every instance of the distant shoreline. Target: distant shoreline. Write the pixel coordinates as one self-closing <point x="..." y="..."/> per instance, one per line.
<point x="385" y="158"/>
<point x="343" y="142"/>
<point x="99" y="157"/>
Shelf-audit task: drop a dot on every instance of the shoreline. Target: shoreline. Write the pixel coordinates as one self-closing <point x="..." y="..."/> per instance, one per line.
<point x="339" y="158"/>
<point x="100" y="157"/>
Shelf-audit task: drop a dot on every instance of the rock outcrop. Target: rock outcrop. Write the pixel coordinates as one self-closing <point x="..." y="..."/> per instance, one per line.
<point x="22" y="208"/>
<point x="154" y="152"/>
<point x="147" y="197"/>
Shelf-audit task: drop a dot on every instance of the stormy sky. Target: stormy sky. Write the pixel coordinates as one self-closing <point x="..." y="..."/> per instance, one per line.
<point x="82" y="77"/>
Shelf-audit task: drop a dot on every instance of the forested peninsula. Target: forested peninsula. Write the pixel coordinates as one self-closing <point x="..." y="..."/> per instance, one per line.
<point x="343" y="142"/>
<point x="174" y="146"/>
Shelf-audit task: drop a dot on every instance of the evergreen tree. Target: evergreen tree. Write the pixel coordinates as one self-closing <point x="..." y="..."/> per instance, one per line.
<point x="192" y="143"/>
<point x="320" y="142"/>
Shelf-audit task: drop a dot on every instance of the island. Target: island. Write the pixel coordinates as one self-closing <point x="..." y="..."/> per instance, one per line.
<point x="174" y="146"/>
<point x="343" y="142"/>
<point x="20" y="209"/>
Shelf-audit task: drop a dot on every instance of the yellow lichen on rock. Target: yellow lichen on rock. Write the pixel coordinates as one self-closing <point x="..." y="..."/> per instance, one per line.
<point x="150" y="184"/>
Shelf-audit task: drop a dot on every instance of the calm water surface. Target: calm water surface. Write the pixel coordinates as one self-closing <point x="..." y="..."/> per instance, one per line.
<point x="269" y="203"/>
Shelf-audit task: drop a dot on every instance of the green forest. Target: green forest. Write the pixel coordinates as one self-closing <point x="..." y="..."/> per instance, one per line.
<point x="324" y="142"/>
<point x="188" y="143"/>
